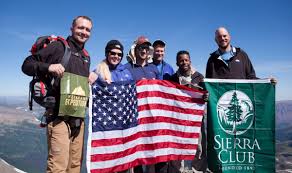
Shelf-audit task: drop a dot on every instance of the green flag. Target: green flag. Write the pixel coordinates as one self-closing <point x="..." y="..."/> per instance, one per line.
<point x="74" y="95"/>
<point x="241" y="125"/>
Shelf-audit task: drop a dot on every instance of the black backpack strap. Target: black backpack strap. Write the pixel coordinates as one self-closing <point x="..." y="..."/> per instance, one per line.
<point x="30" y="94"/>
<point x="67" y="54"/>
<point x="65" y="58"/>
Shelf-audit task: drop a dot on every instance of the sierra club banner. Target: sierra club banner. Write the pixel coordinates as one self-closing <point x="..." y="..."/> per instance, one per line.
<point x="241" y="125"/>
<point x="74" y="95"/>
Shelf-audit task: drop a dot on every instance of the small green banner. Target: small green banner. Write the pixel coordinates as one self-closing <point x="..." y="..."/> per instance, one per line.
<point x="241" y="125"/>
<point x="74" y="95"/>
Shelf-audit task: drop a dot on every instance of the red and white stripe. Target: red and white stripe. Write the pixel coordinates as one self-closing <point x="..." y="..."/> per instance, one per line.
<point x="170" y="117"/>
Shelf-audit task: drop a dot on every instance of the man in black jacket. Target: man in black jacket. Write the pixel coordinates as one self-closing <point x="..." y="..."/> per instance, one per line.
<point x="187" y="75"/>
<point x="228" y="62"/>
<point x="65" y="143"/>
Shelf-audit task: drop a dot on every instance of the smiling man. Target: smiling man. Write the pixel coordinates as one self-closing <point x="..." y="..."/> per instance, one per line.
<point x="188" y="76"/>
<point x="165" y="70"/>
<point x="64" y="133"/>
<point x="228" y="62"/>
<point x="138" y="65"/>
<point x="186" y="73"/>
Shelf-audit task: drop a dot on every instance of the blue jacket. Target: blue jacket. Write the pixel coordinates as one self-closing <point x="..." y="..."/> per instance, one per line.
<point x="166" y="70"/>
<point x="149" y="71"/>
<point x="120" y="73"/>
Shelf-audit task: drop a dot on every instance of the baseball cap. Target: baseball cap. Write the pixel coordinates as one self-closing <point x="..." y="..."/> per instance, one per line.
<point x="142" y="40"/>
<point x="158" y="42"/>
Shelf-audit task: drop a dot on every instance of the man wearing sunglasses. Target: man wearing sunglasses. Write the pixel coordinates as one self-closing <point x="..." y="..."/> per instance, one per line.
<point x="140" y="69"/>
<point x="138" y="65"/>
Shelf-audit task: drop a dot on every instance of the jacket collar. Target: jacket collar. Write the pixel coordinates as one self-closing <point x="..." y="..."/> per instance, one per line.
<point x="162" y="62"/>
<point x="76" y="45"/>
<point x="218" y="52"/>
<point x="119" y="67"/>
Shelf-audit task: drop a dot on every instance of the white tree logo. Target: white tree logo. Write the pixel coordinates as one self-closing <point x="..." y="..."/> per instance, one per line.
<point x="235" y="112"/>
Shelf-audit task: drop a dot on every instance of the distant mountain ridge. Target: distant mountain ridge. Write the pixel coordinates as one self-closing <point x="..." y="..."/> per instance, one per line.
<point x="13" y="100"/>
<point x="283" y="113"/>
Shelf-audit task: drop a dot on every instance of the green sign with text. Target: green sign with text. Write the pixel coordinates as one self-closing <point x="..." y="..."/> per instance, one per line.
<point x="74" y="95"/>
<point x="241" y="125"/>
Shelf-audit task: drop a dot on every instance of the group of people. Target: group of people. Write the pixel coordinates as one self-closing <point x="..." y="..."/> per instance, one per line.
<point x="65" y="150"/>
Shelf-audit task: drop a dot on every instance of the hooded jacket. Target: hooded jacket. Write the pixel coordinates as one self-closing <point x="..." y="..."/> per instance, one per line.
<point x="149" y="71"/>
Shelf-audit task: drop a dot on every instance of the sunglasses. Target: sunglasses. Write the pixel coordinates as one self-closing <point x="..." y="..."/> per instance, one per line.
<point x="115" y="53"/>
<point x="142" y="47"/>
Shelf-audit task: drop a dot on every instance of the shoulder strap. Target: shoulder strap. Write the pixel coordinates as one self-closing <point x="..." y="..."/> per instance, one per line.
<point x="67" y="53"/>
<point x="65" y="58"/>
<point x="85" y="52"/>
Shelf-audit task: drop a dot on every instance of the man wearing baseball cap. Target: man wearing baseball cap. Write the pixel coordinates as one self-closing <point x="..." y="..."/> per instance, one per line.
<point x="165" y="70"/>
<point x="140" y="69"/>
<point x="138" y="60"/>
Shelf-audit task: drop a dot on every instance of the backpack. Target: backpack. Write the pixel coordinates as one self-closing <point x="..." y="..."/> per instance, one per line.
<point x="41" y="87"/>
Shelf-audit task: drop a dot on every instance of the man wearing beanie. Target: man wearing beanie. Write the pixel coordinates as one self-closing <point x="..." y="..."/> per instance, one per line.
<point x="110" y="69"/>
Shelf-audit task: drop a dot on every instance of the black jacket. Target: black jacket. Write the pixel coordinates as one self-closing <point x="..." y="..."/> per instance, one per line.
<point x="196" y="78"/>
<point x="239" y="66"/>
<point x="78" y="64"/>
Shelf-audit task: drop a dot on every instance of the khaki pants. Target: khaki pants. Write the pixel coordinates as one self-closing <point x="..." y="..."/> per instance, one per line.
<point x="64" y="153"/>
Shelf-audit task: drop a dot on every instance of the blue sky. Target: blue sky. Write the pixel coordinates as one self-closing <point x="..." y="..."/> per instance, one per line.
<point x="263" y="28"/>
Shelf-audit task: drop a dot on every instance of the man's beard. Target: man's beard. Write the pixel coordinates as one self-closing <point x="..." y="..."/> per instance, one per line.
<point x="224" y="47"/>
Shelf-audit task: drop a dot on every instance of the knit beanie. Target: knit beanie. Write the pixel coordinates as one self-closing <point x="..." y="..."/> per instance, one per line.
<point x="114" y="44"/>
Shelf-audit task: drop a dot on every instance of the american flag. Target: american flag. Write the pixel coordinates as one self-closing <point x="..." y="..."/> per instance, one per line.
<point x="146" y="122"/>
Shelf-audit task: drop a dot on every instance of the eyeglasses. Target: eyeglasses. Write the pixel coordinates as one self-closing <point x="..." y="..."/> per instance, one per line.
<point x="115" y="53"/>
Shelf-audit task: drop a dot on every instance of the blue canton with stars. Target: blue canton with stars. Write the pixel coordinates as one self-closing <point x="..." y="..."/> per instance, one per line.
<point x="114" y="106"/>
